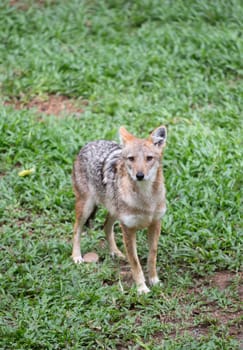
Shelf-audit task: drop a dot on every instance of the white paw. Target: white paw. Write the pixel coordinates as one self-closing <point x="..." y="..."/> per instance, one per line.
<point x="78" y="259"/>
<point x="154" y="280"/>
<point x="143" y="289"/>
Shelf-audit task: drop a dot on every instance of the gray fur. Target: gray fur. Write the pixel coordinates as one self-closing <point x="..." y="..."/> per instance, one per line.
<point x="100" y="159"/>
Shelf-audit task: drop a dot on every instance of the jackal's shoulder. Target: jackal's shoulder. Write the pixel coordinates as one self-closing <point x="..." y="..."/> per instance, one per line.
<point x="98" y="160"/>
<point x="99" y="151"/>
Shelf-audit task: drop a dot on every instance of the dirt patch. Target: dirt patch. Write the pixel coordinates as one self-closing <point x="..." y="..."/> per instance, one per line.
<point x="24" y="5"/>
<point x="224" y="320"/>
<point x="208" y="315"/>
<point x="58" y="105"/>
<point x="223" y="279"/>
<point x="220" y="280"/>
<point x="214" y="315"/>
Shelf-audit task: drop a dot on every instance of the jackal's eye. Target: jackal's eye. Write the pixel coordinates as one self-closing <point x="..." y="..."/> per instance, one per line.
<point x="131" y="158"/>
<point x="149" y="158"/>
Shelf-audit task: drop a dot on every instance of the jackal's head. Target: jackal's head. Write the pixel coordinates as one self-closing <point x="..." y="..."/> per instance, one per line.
<point x="142" y="157"/>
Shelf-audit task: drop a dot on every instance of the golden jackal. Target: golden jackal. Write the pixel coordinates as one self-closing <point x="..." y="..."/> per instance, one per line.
<point x="128" y="180"/>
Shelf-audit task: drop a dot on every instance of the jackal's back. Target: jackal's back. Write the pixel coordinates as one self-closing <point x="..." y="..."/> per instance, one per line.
<point x="95" y="164"/>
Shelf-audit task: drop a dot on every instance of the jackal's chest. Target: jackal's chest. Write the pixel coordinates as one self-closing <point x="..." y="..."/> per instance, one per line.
<point x="143" y="219"/>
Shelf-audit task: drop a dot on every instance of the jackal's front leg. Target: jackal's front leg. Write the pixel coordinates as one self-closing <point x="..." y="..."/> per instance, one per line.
<point x="129" y="236"/>
<point x="153" y="239"/>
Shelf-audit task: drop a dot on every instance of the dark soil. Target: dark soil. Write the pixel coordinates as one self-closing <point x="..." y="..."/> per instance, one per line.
<point x="24" y="5"/>
<point x="57" y="105"/>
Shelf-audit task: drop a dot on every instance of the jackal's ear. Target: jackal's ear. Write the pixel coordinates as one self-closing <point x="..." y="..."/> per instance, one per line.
<point x="158" y="136"/>
<point x="125" y="136"/>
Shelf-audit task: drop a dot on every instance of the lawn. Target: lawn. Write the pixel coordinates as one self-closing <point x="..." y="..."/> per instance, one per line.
<point x="74" y="71"/>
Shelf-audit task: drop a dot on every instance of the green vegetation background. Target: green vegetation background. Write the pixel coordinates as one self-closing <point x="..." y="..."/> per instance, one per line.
<point x="139" y="64"/>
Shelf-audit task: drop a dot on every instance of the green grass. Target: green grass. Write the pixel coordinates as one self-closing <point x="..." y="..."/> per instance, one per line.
<point x="139" y="64"/>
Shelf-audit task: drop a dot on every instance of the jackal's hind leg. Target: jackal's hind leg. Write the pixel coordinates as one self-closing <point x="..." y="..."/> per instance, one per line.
<point x="110" y="236"/>
<point x="83" y="210"/>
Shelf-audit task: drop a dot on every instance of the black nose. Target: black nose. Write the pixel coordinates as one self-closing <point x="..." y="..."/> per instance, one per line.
<point x="140" y="176"/>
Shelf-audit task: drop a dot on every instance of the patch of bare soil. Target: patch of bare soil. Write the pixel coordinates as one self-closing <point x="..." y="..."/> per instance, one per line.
<point x="210" y="314"/>
<point x="24" y="5"/>
<point x="201" y="319"/>
<point x="57" y="105"/>
<point x="222" y="279"/>
<point x="230" y="316"/>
